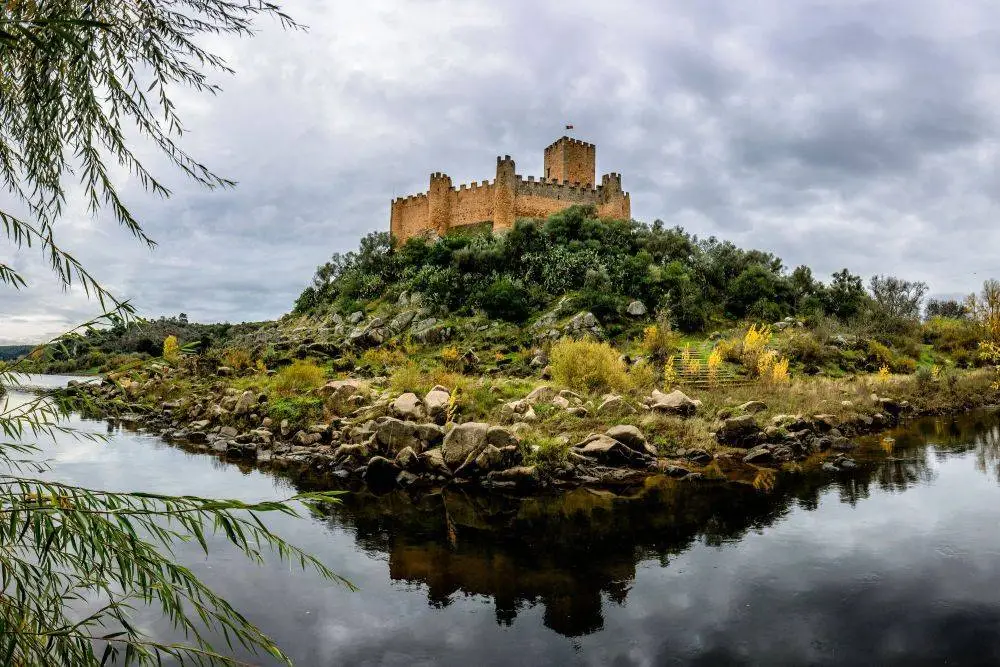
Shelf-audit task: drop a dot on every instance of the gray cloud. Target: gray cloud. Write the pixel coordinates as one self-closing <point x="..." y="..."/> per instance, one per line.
<point x="858" y="133"/>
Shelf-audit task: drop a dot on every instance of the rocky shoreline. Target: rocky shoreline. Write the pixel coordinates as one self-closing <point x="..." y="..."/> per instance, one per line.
<point x="409" y="442"/>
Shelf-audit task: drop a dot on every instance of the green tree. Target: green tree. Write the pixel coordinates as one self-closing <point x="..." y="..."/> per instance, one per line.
<point x="845" y="296"/>
<point x="78" y="80"/>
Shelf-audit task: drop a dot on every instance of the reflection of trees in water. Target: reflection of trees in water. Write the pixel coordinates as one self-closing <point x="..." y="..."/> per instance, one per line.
<point x="571" y="552"/>
<point x="988" y="452"/>
<point x="977" y="433"/>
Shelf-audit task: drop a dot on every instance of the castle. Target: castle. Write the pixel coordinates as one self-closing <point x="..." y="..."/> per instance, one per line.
<point x="570" y="178"/>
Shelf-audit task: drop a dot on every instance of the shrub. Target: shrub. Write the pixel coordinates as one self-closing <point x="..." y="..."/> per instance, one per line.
<point x="587" y="366"/>
<point x="382" y="359"/>
<point x="714" y="363"/>
<point x="506" y="299"/>
<point x="802" y="347"/>
<point x="670" y="377"/>
<point x="883" y="374"/>
<point x="300" y="377"/>
<point x="950" y="335"/>
<point x="237" y="358"/>
<point x="659" y="340"/>
<point x="754" y="347"/>
<point x="730" y="349"/>
<point x="407" y="377"/>
<point x="451" y="357"/>
<point x="880" y="355"/>
<point x="171" y="350"/>
<point x="925" y="378"/>
<point x="642" y="376"/>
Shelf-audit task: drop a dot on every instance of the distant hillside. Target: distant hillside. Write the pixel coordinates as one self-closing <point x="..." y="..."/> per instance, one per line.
<point x="8" y="352"/>
<point x="101" y="349"/>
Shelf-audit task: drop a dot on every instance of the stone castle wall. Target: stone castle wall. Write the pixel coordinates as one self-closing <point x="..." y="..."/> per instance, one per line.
<point x="510" y="196"/>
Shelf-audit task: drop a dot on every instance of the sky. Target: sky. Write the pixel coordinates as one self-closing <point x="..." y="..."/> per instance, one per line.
<point x="858" y="134"/>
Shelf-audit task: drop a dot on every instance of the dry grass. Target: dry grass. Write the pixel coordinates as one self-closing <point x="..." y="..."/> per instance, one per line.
<point x="588" y="366"/>
<point x="299" y="378"/>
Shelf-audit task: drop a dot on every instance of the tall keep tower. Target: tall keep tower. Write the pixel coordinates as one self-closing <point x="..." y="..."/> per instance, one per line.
<point x="571" y="161"/>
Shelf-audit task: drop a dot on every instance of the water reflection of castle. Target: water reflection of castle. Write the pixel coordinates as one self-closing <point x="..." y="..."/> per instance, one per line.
<point x="571" y="552"/>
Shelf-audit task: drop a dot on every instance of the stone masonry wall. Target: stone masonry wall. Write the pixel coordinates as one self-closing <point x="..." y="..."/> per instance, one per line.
<point x="509" y="196"/>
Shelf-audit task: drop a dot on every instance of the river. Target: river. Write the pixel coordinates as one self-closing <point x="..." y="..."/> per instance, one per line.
<point x="896" y="562"/>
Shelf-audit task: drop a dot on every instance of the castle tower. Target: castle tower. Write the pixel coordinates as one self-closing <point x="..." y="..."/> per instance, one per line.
<point x="503" y="194"/>
<point x="439" y="203"/>
<point x="614" y="203"/>
<point x="572" y="161"/>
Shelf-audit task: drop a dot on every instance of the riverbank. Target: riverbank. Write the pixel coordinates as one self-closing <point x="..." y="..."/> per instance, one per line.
<point x="533" y="435"/>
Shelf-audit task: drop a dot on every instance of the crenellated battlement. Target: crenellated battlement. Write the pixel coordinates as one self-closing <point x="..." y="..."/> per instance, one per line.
<point x="410" y="198"/>
<point x="571" y="142"/>
<point x="569" y="179"/>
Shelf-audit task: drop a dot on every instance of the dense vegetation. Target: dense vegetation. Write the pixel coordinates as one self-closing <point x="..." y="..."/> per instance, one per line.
<point x="703" y="283"/>
<point x="8" y="352"/>
<point x="101" y="349"/>
<point x="694" y="286"/>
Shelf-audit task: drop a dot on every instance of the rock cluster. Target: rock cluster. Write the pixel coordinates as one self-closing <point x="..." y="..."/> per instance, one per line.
<point x="408" y="440"/>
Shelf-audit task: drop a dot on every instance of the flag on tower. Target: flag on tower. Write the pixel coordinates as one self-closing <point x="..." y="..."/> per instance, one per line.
<point x="569" y="127"/>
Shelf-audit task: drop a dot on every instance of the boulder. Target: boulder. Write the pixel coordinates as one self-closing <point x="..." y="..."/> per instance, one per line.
<point x="606" y="450"/>
<point x="351" y="451"/>
<point x="521" y="410"/>
<point x="759" y="454"/>
<point x="751" y="407"/>
<point x="614" y="406"/>
<point x="406" y="459"/>
<point x="561" y="402"/>
<point x="341" y="390"/>
<point x="462" y="441"/>
<point x="262" y="435"/>
<point x="674" y="403"/>
<point x="429" y="434"/>
<point x="518" y="477"/>
<point x="433" y="460"/>
<point x="636" y="308"/>
<point x="306" y="439"/>
<point x="841" y="444"/>
<point x="631" y="437"/>
<point x="542" y="394"/>
<point x="355" y="317"/>
<point x="381" y="472"/>
<point x="489" y="459"/>
<point x="891" y="407"/>
<point x="500" y="437"/>
<point x="395" y="435"/>
<point x="436" y="402"/>
<point x="245" y="403"/>
<point x="408" y="406"/>
<point x="739" y="431"/>
<point x="699" y="456"/>
<point x="402" y="321"/>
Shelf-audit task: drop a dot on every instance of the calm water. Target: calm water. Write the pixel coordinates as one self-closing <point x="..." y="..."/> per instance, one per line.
<point x="895" y="563"/>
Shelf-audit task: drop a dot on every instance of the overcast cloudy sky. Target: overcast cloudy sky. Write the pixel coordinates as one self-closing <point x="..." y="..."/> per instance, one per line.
<point x="842" y="133"/>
